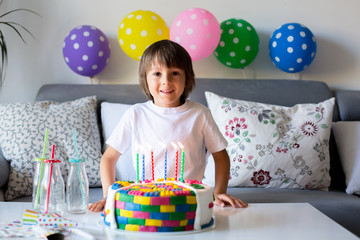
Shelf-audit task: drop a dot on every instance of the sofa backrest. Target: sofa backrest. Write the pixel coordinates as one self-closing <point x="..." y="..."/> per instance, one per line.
<point x="280" y="92"/>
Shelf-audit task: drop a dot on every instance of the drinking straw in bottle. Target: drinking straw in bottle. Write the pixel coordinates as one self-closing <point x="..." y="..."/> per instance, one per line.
<point x="78" y="166"/>
<point x="41" y="169"/>
<point x="50" y="175"/>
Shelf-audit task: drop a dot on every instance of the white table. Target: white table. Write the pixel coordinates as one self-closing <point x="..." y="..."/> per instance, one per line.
<point x="258" y="221"/>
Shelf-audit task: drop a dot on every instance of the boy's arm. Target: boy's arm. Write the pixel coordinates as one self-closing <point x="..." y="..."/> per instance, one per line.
<point x="222" y="171"/>
<point x="107" y="168"/>
<point x="107" y="173"/>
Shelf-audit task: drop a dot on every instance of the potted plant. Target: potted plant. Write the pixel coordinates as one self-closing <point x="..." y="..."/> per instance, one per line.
<point x="17" y="28"/>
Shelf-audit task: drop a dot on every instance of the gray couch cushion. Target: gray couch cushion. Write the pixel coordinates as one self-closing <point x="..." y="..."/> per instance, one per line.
<point x="2" y="195"/>
<point x="4" y="170"/>
<point x="349" y="107"/>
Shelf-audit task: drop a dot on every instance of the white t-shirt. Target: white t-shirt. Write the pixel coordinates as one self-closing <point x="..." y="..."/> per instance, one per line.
<point x="147" y="127"/>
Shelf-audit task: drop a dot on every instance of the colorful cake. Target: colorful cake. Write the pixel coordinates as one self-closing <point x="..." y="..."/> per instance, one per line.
<point x="163" y="206"/>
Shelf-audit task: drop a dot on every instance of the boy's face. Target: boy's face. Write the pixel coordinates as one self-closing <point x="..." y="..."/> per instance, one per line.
<point x="166" y="85"/>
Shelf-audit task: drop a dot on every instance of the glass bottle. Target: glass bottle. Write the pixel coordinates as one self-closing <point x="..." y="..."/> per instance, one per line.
<point x="52" y="189"/>
<point x="77" y="187"/>
<point x="38" y="175"/>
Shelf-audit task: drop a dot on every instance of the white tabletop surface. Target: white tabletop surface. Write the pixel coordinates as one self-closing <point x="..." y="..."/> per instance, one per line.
<point x="258" y="221"/>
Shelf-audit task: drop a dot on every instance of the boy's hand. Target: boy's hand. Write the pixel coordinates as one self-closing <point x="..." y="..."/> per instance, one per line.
<point x="224" y="199"/>
<point x="97" y="206"/>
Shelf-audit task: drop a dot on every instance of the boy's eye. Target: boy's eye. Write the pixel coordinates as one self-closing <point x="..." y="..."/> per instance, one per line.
<point x="176" y="73"/>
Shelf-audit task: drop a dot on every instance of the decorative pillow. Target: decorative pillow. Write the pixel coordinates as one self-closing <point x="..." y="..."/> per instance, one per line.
<point x="275" y="146"/>
<point x="22" y="130"/>
<point x="347" y="137"/>
<point x="111" y="114"/>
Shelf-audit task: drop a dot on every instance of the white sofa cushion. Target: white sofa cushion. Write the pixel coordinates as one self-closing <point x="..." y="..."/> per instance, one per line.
<point x="347" y="137"/>
<point x="111" y="113"/>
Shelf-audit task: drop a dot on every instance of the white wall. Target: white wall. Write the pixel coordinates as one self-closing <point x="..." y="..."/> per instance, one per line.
<point x="334" y="24"/>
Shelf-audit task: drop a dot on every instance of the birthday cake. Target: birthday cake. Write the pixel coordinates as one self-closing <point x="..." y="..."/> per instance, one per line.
<point x="159" y="206"/>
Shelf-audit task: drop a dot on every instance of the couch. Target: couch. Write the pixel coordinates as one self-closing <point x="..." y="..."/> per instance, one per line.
<point x="336" y="203"/>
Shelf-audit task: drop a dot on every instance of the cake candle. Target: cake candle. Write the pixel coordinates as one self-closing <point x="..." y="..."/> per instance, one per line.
<point x="137" y="166"/>
<point x="165" y="164"/>
<point x="152" y="165"/>
<point x="176" y="165"/>
<point x="176" y="160"/>
<point x="143" y="167"/>
<point x="182" y="162"/>
<point x="165" y="160"/>
<point x="152" y="161"/>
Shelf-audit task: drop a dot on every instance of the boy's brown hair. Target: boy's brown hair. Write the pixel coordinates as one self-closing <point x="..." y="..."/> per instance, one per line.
<point x="169" y="54"/>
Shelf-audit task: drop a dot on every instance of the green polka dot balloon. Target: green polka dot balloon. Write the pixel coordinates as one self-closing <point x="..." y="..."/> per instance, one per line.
<point x="239" y="43"/>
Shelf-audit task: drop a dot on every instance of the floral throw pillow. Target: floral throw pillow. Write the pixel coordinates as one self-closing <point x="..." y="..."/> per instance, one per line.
<point x="275" y="146"/>
<point x="22" y="130"/>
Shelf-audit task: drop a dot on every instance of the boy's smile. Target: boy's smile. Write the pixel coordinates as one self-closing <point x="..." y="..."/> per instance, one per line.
<point x="166" y="85"/>
<point x="167" y="91"/>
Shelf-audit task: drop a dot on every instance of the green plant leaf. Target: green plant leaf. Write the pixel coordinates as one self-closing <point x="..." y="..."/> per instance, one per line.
<point x="4" y="58"/>
<point x="16" y="27"/>
<point x="17" y="10"/>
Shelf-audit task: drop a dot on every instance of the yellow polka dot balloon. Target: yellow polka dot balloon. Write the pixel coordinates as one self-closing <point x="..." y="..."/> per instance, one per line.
<point x="140" y="29"/>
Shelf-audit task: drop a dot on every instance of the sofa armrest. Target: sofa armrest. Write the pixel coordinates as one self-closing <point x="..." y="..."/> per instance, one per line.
<point x="347" y="101"/>
<point x="4" y="170"/>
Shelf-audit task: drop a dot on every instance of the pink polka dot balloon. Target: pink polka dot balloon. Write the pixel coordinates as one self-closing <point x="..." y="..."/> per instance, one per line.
<point x="198" y="31"/>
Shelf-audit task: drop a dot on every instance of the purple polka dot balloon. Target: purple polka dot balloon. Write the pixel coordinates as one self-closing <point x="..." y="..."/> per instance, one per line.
<point x="86" y="50"/>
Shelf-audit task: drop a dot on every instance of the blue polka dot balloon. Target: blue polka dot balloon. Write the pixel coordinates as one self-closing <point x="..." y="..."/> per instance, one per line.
<point x="292" y="47"/>
<point x="86" y="50"/>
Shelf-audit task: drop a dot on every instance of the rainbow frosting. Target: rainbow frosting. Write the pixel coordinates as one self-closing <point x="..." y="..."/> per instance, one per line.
<point x="162" y="206"/>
